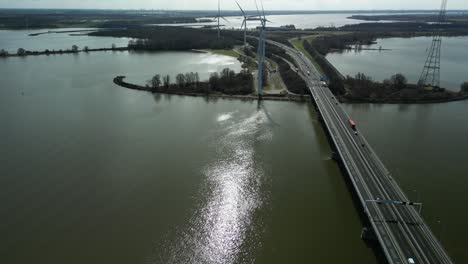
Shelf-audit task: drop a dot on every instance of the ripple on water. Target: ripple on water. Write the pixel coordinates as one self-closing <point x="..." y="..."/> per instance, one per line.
<point x="225" y="116"/>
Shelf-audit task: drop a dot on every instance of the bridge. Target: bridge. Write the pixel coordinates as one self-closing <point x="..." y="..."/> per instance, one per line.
<point x="395" y="222"/>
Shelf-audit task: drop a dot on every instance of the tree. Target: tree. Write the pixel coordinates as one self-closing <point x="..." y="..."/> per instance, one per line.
<point x="114" y="46"/>
<point x="214" y="81"/>
<point x="362" y="85"/>
<point x="225" y="73"/>
<point x="399" y="81"/>
<point x="167" y="81"/>
<point x="248" y="52"/>
<point x="21" y="52"/>
<point x="86" y="49"/>
<point x="131" y="44"/>
<point x="74" y="48"/>
<point x="464" y="87"/>
<point x="3" y="52"/>
<point x="189" y="78"/>
<point x="155" y="82"/>
<point x="180" y="80"/>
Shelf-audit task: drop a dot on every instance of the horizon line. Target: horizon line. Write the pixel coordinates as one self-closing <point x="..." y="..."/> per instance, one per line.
<point x="204" y="10"/>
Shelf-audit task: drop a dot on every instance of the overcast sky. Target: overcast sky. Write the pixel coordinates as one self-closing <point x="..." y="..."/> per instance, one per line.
<point x="230" y="4"/>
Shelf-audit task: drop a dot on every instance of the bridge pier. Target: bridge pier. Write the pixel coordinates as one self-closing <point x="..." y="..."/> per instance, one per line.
<point x="368" y="234"/>
<point x="335" y="156"/>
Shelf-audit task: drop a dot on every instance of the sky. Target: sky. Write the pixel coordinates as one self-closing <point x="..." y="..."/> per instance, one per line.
<point x="231" y="5"/>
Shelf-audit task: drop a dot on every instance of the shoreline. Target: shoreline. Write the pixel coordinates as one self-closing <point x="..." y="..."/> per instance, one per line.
<point x="119" y="80"/>
<point x="454" y="99"/>
<point x="324" y="62"/>
<point x="61" y="52"/>
<point x="58" y="52"/>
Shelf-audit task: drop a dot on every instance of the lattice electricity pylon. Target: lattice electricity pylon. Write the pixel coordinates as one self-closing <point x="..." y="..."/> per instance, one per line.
<point x="430" y="75"/>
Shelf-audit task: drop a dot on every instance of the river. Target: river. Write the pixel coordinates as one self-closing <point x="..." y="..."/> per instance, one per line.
<point x="95" y="173"/>
<point x="407" y="56"/>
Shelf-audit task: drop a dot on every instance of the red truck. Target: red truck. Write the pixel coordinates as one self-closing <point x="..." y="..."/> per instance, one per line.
<point x="353" y="126"/>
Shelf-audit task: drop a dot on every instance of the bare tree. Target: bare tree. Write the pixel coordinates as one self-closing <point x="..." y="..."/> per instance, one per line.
<point x="464" y="87"/>
<point x="399" y="81"/>
<point x="155" y="82"/>
<point x="21" y="52"/>
<point x="180" y="80"/>
<point x="167" y="81"/>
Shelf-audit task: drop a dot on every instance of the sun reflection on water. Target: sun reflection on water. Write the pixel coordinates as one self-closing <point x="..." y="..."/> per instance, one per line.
<point x="219" y="227"/>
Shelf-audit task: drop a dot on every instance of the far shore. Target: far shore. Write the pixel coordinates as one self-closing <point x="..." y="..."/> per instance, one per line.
<point x="60" y="52"/>
<point x="454" y="99"/>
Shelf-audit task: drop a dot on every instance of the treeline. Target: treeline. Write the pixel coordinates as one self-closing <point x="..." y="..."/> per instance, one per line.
<point x="74" y="49"/>
<point x="175" y="38"/>
<point x="293" y="81"/>
<point x="464" y="88"/>
<point x="226" y="82"/>
<point x="413" y="17"/>
<point x="272" y="50"/>
<point x="404" y="29"/>
<point x="396" y="89"/>
<point x="336" y="84"/>
<point x="324" y="44"/>
<point x="95" y="19"/>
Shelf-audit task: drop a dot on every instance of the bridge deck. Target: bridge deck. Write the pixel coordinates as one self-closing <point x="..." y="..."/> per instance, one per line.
<point x="399" y="228"/>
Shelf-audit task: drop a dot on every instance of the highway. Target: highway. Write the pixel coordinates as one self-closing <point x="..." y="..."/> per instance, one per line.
<point x="397" y="224"/>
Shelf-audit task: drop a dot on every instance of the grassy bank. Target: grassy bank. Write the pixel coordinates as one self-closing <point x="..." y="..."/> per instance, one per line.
<point x="299" y="44"/>
<point x="230" y="53"/>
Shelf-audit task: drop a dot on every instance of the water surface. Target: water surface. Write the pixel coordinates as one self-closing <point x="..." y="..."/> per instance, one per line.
<point x="407" y="56"/>
<point x="424" y="148"/>
<point x="96" y="173"/>
<point x="12" y="40"/>
<point x="303" y="21"/>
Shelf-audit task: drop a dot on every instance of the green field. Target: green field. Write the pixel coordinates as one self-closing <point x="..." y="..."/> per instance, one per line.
<point x="230" y="53"/>
<point x="298" y="44"/>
